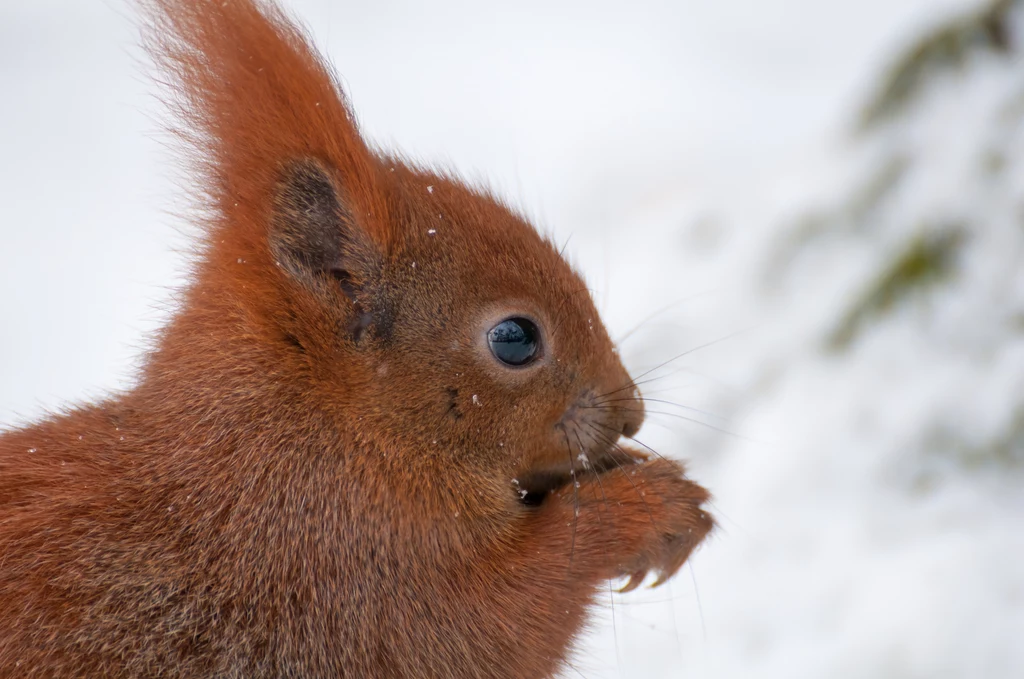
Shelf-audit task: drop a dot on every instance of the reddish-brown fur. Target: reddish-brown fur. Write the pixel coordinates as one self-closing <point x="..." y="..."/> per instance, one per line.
<point x="316" y="475"/>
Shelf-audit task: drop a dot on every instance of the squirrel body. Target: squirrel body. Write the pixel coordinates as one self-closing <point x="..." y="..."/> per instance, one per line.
<point x="323" y="469"/>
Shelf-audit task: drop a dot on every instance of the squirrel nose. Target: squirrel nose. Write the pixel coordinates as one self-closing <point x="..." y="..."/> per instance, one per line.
<point x="595" y="420"/>
<point x="632" y="413"/>
<point x="621" y="392"/>
<point x="622" y="405"/>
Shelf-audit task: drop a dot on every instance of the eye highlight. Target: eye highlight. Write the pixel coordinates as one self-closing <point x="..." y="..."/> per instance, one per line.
<point x="514" y="341"/>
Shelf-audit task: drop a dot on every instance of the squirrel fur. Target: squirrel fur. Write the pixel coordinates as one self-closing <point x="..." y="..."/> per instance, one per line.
<point x="322" y="470"/>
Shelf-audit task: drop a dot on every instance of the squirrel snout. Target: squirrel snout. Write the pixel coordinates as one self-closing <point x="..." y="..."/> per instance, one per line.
<point x="588" y="430"/>
<point x="620" y="401"/>
<point x="596" y="419"/>
<point x="632" y="415"/>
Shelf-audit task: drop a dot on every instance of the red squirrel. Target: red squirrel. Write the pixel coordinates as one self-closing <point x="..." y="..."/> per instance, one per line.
<point x="381" y="436"/>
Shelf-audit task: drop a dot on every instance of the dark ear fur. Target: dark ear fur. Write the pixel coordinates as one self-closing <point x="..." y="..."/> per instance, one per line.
<point x="310" y="226"/>
<point x="315" y="238"/>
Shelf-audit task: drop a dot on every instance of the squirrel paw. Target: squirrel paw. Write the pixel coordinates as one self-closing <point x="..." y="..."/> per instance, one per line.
<point x="660" y="513"/>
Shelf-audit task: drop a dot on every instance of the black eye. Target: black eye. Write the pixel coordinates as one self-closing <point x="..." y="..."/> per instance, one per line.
<point x="514" y="341"/>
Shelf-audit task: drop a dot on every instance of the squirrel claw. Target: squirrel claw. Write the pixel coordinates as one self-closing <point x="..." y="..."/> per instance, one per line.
<point x="663" y="577"/>
<point x="682" y="553"/>
<point x="635" y="580"/>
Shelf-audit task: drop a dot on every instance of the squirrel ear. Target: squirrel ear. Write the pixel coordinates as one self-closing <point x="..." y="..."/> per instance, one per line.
<point x="313" y="235"/>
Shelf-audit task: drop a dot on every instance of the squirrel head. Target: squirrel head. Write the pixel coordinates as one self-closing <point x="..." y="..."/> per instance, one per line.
<point x="422" y="314"/>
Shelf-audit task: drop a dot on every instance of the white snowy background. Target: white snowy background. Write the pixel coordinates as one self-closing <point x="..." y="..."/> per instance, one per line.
<point x="823" y="199"/>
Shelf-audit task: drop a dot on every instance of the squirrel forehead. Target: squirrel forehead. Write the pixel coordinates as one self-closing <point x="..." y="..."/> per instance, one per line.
<point x="472" y="231"/>
<point x="477" y="239"/>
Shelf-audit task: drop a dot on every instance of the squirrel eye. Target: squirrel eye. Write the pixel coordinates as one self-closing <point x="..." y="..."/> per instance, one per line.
<point x="514" y="341"/>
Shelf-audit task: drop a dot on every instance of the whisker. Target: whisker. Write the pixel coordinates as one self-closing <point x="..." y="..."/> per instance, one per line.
<point x="640" y="495"/>
<point x="704" y="424"/>
<point x="564" y="246"/>
<point x="696" y="595"/>
<point x="670" y="403"/>
<point x="633" y="382"/>
<point x="650" y="380"/>
<point x="689" y="386"/>
<point x="575" y="498"/>
<point x="568" y="298"/>
<point x="719" y="383"/>
<point x="675" y="626"/>
<point x="615" y="627"/>
<point x="636" y="384"/>
<point x="579" y="442"/>
<point x="664" y="309"/>
<point x="681" y="417"/>
<point x="717" y="511"/>
<point x="675" y="371"/>
<point x="650" y="600"/>
<point x="613" y="431"/>
<point x="611" y="595"/>
<point x="644" y="445"/>
<point x="665" y="390"/>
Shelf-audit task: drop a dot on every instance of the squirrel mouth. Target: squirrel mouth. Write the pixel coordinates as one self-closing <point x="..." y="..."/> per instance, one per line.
<point x="534" y="485"/>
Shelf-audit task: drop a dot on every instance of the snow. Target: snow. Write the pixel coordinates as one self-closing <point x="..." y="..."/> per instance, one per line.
<point x="872" y="518"/>
<point x="703" y="159"/>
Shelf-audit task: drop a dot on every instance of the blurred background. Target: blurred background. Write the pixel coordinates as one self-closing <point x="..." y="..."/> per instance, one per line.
<point x="819" y="204"/>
